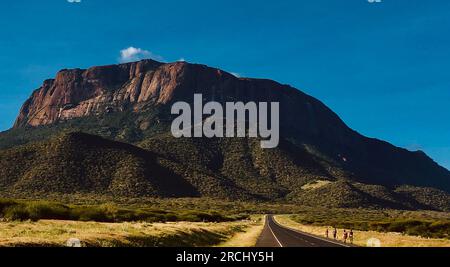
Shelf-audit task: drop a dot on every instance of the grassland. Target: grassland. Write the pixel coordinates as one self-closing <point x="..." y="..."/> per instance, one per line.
<point x="202" y="222"/>
<point x="387" y="239"/>
<point x="55" y="233"/>
<point x="180" y="224"/>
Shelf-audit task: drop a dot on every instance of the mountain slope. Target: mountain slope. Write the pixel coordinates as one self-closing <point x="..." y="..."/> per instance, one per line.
<point x="82" y="163"/>
<point x="237" y="169"/>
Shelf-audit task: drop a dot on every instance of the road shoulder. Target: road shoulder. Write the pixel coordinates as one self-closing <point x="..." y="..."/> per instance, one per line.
<point x="313" y="231"/>
<point x="362" y="238"/>
<point x="249" y="237"/>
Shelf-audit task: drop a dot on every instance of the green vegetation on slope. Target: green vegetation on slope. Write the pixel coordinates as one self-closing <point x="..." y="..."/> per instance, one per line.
<point x="347" y="194"/>
<point x="77" y="162"/>
<point x="126" y="126"/>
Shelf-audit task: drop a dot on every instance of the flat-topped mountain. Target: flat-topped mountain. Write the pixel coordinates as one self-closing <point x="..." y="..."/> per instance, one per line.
<point x="131" y="103"/>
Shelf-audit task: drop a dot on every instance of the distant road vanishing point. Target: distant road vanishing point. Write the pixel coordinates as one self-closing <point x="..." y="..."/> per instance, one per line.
<point x="275" y="235"/>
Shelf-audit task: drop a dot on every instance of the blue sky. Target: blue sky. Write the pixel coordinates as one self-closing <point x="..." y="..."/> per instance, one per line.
<point x="383" y="67"/>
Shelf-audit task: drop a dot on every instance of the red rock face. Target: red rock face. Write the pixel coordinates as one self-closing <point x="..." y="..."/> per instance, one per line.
<point x="99" y="90"/>
<point x="77" y="93"/>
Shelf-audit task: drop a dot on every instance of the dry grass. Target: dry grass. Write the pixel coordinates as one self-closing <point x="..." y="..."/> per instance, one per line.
<point x="249" y="237"/>
<point x="316" y="185"/>
<point x="56" y="233"/>
<point x="361" y="237"/>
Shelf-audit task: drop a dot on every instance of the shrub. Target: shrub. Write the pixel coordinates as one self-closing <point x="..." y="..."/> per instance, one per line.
<point x="46" y="210"/>
<point x="91" y="214"/>
<point x="16" y="213"/>
<point x="37" y="210"/>
<point x="5" y="203"/>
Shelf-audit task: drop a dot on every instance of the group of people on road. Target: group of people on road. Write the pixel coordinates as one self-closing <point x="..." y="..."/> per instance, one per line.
<point x="346" y="236"/>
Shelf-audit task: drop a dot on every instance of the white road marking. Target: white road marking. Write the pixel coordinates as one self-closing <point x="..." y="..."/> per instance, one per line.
<point x="270" y="228"/>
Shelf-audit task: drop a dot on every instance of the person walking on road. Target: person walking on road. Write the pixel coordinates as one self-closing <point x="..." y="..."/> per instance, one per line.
<point x="326" y="233"/>
<point x="334" y="233"/>
<point x="345" y="236"/>
<point x="350" y="236"/>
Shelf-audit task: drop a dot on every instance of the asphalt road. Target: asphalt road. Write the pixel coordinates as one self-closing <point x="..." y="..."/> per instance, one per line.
<point x="275" y="235"/>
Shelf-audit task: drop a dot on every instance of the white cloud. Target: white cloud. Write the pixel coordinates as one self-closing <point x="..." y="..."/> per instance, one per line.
<point x="237" y="75"/>
<point x="74" y="1"/>
<point x="181" y="60"/>
<point x="131" y="54"/>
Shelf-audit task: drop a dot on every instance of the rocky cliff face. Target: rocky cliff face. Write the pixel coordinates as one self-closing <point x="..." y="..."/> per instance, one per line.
<point x="107" y="89"/>
<point x="78" y="93"/>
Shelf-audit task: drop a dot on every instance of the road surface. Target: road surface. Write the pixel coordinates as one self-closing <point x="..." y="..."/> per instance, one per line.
<point x="275" y="235"/>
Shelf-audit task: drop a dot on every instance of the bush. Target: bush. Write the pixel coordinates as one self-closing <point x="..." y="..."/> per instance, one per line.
<point x="87" y="214"/>
<point x="48" y="211"/>
<point x="5" y="203"/>
<point x="16" y="213"/>
<point x="21" y="210"/>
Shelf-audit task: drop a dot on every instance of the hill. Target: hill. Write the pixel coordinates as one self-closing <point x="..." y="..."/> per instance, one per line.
<point x="233" y="169"/>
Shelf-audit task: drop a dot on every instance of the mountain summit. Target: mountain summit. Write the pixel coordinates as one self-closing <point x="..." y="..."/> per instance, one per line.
<point x="131" y="103"/>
